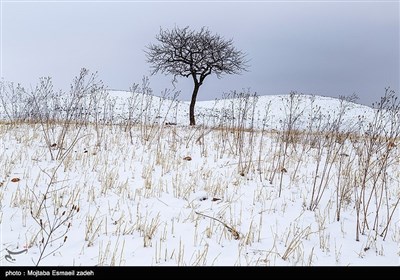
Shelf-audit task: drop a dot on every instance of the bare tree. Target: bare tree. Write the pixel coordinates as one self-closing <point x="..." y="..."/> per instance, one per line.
<point x="197" y="54"/>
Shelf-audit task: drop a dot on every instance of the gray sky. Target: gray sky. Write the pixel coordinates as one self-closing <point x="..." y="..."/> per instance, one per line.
<point x="327" y="48"/>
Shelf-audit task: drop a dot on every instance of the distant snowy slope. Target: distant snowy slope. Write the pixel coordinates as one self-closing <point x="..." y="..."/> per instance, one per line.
<point x="268" y="111"/>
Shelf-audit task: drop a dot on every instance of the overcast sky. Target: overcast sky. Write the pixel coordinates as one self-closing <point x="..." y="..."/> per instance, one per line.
<point x="324" y="48"/>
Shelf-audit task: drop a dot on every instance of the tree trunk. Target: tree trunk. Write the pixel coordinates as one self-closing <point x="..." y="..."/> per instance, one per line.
<point x="192" y="103"/>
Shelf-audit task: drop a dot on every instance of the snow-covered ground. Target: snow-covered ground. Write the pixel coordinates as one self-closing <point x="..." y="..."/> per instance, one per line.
<point x="269" y="111"/>
<point x="260" y="180"/>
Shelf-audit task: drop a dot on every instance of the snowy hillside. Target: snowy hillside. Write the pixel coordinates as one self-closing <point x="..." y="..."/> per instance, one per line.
<point x="268" y="111"/>
<point x="121" y="179"/>
<point x="258" y="111"/>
